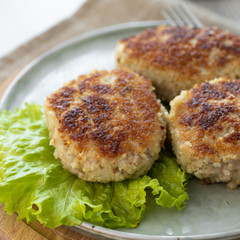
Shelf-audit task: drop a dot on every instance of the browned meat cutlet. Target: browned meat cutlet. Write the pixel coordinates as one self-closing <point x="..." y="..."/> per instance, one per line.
<point x="106" y="126"/>
<point x="176" y="58"/>
<point x="205" y="130"/>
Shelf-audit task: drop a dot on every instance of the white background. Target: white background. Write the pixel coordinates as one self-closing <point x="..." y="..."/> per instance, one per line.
<point x="21" y="20"/>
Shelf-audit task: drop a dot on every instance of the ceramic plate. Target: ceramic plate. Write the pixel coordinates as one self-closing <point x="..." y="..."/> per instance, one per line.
<point x="212" y="212"/>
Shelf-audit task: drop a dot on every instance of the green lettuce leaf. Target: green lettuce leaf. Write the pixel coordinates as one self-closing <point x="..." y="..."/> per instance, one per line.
<point x="172" y="179"/>
<point x="35" y="186"/>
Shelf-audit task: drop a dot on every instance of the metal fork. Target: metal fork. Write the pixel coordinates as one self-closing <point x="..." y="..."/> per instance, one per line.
<point x="180" y="15"/>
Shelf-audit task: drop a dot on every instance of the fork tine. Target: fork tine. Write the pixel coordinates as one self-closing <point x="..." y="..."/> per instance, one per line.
<point x="183" y="16"/>
<point x="180" y="15"/>
<point x="174" y="17"/>
<point x="195" y="22"/>
<point x="169" y="18"/>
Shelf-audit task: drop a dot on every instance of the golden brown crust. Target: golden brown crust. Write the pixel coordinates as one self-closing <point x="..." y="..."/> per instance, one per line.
<point x="183" y="49"/>
<point x="118" y="114"/>
<point x="210" y="117"/>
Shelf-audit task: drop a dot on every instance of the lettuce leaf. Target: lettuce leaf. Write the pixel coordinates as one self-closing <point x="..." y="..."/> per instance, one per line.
<point x="172" y="179"/>
<point x="35" y="186"/>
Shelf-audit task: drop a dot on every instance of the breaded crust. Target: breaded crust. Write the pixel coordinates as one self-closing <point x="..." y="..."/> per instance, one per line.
<point x="106" y="126"/>
<point x="176" y="58"/>
<point x="205" y="130"/>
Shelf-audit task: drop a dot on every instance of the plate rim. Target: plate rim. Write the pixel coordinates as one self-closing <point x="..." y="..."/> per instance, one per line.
<point x="86" y="227"/>
<point x="73" y="40"/>
<point x="113" y="234"/>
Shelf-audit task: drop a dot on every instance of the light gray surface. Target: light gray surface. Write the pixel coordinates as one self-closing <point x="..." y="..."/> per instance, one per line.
<point x="226" y="8"/>
<point x="212" y="211"/>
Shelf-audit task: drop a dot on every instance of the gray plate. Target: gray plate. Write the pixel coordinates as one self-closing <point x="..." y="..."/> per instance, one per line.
<point x="213" y="212"/>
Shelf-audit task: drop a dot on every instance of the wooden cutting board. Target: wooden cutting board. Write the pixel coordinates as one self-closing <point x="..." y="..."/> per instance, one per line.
<point x="12" y="229"/>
